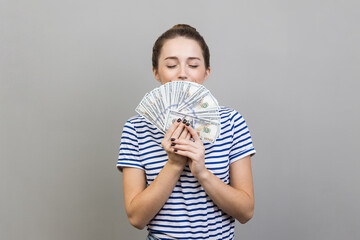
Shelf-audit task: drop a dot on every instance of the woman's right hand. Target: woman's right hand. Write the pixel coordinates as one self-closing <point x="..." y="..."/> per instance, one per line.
<point x="176" y="131"/>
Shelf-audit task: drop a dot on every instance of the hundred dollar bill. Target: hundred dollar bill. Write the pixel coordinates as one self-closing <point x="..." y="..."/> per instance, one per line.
<point x="146" y="110"/>
<point x="202" y="102"/>
<point x="184" y="88"/>
<point x="154" y="102"/>
<point x="192" y="100"/>
<point x="213" y="110"/>
<point x="148" y="104"/>
<point x="169" y="94"/>
<point x="207" y="131"/>
<point x="205" y="116"/>
<point x="177" y="92"/>
<point x="195" y="91"/>
<point x="145" y="113"/>
<point x="188" y="89"/>
<point x="208" y="117"/>
<point x="162" y="93"/>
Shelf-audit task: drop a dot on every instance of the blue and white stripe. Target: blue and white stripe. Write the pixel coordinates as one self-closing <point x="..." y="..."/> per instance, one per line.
<point x="189" y="213"/>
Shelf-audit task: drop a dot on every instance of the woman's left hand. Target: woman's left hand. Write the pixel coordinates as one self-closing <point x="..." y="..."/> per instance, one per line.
<point x="194" y="150"/>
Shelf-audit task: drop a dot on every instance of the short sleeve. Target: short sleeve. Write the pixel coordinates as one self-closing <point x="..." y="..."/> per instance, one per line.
<point x="242" y="144"/>
<point x="129" y="148"/>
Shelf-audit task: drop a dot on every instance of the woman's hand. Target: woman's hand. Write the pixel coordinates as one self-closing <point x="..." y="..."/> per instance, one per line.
<point x="194" y="150"/>
<point x="177" y="131"/>
<point x="143" y="202"/>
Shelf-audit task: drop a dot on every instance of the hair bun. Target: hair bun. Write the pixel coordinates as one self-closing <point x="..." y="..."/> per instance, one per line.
<point x="183" y="26"/>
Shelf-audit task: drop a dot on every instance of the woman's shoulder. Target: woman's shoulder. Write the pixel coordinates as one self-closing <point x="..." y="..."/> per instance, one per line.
<point x="138" y="122"/>
<point x="135" y="119"/>
<point x="226" y="112"/>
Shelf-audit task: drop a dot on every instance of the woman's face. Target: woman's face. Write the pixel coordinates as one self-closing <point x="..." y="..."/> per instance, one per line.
<point x="181" y="59"/>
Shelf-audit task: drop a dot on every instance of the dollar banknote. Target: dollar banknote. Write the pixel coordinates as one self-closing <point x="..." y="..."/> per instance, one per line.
<point x="207" y="130"/>
<point x="185" y="100"/>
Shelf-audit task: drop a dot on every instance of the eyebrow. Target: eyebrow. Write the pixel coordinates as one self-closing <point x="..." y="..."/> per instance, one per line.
<point x="176" y="58"/>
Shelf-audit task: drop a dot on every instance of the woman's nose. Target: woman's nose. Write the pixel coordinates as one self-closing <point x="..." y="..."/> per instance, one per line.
<point x="182" y="73"/>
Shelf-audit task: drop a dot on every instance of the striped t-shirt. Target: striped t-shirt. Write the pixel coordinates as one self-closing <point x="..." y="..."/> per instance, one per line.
<point x="189" y="213"/>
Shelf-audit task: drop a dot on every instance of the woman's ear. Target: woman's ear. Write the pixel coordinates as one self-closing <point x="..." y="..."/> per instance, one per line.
<point x="207" y="73"/>
<point x="156" y="74"/>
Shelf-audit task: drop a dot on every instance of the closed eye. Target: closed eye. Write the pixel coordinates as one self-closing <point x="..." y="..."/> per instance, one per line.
<point x="171" y="66"/>
<point x="193" y="66"/>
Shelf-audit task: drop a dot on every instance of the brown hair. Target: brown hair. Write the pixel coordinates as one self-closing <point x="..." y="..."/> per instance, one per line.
<point x="180" y="30"/>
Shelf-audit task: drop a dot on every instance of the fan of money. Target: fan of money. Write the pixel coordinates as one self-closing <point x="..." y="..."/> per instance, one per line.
<point x="185" y="100"/>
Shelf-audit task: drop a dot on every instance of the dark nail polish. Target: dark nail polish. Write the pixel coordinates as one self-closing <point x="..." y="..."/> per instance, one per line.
<point x="179" y="120"/>
<point x="184" y="121"/>
<point x="175" y="150"/>
<point x="173" y="139"/>
<point x="187" y="124"/>
<point x="173" y="144"/>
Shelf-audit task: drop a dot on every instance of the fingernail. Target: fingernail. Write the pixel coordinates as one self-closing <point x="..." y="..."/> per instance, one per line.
<point x="187" y="124"/>
<point x="175" y="150"/>
<point x="173" y="139"/>
<point x="184" y="121"/>
<point x="173" y="144"/>
<point x="179" y="120"/>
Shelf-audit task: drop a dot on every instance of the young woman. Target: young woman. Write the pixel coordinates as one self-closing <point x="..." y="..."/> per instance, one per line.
<point x="176" y="185"/>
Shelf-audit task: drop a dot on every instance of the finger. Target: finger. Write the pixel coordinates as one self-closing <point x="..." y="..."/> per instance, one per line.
<point x="185" y="153"/>
<point x="183" y="133"/>
<point x="187" y="145"/>
<point x="178" y="130"/>
<point x="193" y="133"/>
<point x="187" y="142"/>
<point x="187" y="148"/>
<point x="188" y="136"/>
<point x="171" y="130"/>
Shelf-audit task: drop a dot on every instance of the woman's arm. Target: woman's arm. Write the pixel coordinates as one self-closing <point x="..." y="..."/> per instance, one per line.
<point x="236" y="199"/>
<point x="143" y="203"/>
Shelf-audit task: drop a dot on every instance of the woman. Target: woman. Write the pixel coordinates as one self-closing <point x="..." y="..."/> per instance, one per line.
<point x="177" y="186"/>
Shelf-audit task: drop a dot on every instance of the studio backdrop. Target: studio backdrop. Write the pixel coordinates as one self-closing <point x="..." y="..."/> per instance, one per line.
<point x="72" y="72"/>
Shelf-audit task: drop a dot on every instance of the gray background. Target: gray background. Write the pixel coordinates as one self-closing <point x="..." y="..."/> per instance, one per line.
<point x="72" y="72"/>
